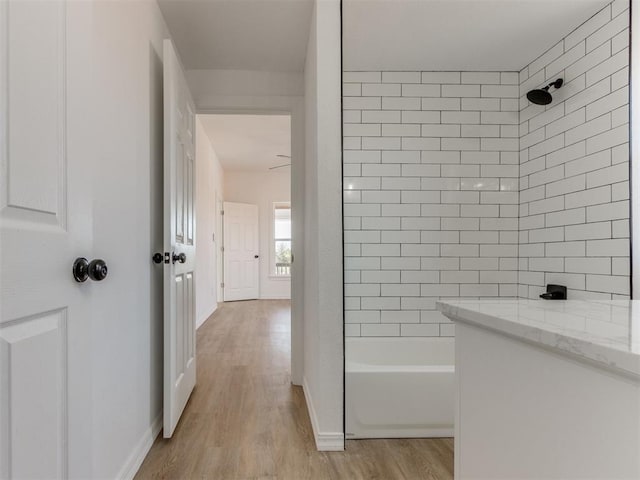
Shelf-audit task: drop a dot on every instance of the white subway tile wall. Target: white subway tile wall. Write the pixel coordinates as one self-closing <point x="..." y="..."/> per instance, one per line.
<point x="456" y="186"/>
<point x="574" y="163"/>
<point x="431" y="196"/>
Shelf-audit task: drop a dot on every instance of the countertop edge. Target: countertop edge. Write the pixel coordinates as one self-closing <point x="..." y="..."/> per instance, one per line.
<point x="601" y="356"/>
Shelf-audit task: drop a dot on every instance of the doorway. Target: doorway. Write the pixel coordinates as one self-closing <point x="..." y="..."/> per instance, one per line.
<point x="249" y="158"/>
<point x="285" y="162"/>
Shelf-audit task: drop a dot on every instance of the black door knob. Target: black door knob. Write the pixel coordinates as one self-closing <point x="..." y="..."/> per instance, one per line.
<point x="97" y="270"/>
<point x="83" y="269"/>
<point x="182" y="257"/>
<point x="80" y="269"/>
<point x="157" y="257"/>
<point x="256" y="256"/>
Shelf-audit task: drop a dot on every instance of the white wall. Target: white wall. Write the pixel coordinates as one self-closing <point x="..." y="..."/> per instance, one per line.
<point x="231" y="86"/>
<point x="262" y="189"/>
<point x="209" y="185"/>
<point x="246" y="91"/>
<point x="574" y="163"/>
<point x="323" y="307"/>
<point x="126" y="321"/>
<point x="431" y="196"/>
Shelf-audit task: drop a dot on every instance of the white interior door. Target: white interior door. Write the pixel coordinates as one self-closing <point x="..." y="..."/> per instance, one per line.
<point x="241" y="252"/>
<point x="45" y="223"/>
<point x="179" y="242"/>
<point x="219" y="247"/>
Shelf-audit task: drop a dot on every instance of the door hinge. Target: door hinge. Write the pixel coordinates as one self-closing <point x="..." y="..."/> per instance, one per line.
<point x="221" y="212"/>
<point x="222" y="249"/>
<point x="222" y="285"/>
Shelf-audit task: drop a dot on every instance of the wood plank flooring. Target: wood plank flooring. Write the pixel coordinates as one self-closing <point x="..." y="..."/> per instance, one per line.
<point x="246" y="421"/>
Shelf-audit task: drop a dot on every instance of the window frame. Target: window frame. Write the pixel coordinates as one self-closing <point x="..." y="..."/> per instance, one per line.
<point x="273" y="239"/>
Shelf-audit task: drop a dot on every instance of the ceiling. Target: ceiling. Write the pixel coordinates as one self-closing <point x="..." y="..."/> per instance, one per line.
<point x="249" y="142"/>
<point x="271" y="35"/>
<point x="463" y="35"/>
<point x="266" y="35"/>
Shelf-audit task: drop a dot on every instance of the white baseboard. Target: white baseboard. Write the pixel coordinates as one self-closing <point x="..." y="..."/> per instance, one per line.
<point x="131" y="466"/>
<point x="325" y="441"/>
<point x="275" y="297"/>
<point x="206" y="317"/>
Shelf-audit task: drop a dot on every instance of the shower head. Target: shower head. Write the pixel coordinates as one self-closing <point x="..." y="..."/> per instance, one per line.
<point x="542" y="96"/>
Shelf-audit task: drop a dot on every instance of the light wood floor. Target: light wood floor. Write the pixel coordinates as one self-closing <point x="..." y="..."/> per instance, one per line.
<point x="246" y="421"/>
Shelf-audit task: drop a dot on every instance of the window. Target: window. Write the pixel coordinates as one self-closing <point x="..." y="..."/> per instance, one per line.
<point x="282" y="239"/>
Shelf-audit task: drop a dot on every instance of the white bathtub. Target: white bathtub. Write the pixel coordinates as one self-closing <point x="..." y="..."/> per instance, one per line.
<point x="399" y="387"/>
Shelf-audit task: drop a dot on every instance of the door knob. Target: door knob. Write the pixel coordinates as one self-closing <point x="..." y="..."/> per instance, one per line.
<point x="80" y="269"/>
<point x="157" y="257"/>
<point x="256" y="256"/>
<point x="96" y="270"/>
<point x="182" y="257"/>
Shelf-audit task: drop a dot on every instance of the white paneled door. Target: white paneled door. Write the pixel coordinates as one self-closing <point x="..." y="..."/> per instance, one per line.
<point x="179" y="241"/>
<point x="241" y="252"/>
<point x="45" y="223"/>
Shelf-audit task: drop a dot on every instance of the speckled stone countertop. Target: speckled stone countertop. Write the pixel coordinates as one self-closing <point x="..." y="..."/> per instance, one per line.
<point x="604" y="332"/>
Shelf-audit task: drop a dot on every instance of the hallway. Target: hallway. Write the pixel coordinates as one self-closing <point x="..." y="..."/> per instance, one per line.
<point x="246" y="421"/>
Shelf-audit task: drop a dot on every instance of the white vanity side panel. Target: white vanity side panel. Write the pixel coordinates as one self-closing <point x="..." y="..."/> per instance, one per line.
<point x="527" y="413"/>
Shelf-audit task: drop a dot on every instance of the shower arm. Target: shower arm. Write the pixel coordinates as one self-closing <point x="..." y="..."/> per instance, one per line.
<point x="555" y="84"/>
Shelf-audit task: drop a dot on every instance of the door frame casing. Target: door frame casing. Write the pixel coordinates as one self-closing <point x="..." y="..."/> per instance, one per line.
<point x="219" y="206"/>
<point x="634" y="150"/>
